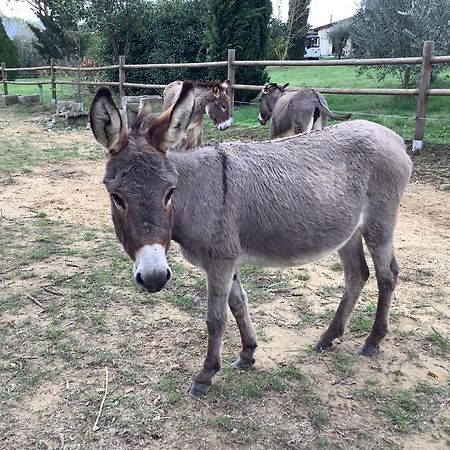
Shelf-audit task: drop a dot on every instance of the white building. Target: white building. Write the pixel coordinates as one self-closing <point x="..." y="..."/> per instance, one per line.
<point x="319" y="44"/>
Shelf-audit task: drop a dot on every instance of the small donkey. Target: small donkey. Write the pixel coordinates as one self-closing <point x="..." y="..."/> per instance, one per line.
<point x="210" y="99"/>
<point x="282" y="203"/>
<point x="294" y="112"/>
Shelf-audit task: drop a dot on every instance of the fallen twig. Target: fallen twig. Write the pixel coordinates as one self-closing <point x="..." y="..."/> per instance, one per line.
<point x="95" y="427"/>
<point x="37" y="302"/>
<point x="46" y="289"/>
<point x="61" y="280"/>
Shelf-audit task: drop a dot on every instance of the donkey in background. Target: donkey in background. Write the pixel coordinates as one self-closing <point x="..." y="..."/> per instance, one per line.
<point x="280" y="203"/>
<point x="210" y="99"/>
<point x="294" y="112"/>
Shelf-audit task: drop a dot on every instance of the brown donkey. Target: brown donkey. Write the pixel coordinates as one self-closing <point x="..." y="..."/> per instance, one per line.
<point x="280" y="203"/>
<point x="210" y="99"/>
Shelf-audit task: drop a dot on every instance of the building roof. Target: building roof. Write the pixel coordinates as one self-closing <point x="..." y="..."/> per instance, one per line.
<point x="329" y="25"/>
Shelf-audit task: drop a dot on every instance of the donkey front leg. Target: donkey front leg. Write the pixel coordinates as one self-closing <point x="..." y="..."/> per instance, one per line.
<point x="238" y="305"/>
<point x="218" y="279"/>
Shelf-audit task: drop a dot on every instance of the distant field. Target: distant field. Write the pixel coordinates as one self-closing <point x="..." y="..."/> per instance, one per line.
<point x="401" y="110"/>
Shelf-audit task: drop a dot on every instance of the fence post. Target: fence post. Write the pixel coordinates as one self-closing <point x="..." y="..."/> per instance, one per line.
<point x="121" y="77"/>
<point x="53" y="80"/>
<point x="425" y="77"/>
<point x="230" y="76"/>
<point x="41" y="93"/>
<point x="5" y="80"/>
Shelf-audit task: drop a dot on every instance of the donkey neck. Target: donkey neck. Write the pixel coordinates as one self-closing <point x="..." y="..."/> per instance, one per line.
<point x="199" y="189"/>
<point x="201" y="98"/>
<point x="273" y="99"/>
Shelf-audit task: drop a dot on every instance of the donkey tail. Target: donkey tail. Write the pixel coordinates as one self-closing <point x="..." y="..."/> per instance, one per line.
<point x="327" y="111"/>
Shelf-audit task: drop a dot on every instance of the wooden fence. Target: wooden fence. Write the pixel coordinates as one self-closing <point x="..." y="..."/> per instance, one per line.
<point x="422" y="92"/>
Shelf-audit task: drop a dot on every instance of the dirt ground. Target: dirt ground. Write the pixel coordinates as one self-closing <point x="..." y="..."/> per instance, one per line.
<point x="415" y="351"/>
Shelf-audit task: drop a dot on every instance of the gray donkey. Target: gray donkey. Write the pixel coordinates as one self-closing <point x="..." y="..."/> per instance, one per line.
<point x="210" y="99"/>
<point x="279" y="203"/>
<point x="294" y="112"/>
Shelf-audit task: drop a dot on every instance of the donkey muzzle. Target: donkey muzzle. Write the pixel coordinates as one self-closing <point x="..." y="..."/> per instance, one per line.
<point x="151" y="270"/>
<point x="224" y="125"/>
<point x="261" y="120"/>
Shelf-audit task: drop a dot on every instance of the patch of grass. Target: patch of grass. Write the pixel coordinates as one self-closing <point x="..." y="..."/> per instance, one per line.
<point x="303" y="275"/>
<point x="332" y="291"/>
<point x="343" y="364"/>
<point x="304" y="311"/>
<point x="336" y="266"/>
<point x="263" y="285"/>
<point x="406" y="408"/>
<point x="319" y="419"/>
<point x="439" y="344"/>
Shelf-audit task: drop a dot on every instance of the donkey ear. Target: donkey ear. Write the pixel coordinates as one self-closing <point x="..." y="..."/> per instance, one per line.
<point x="226" y="85"/>
<point x="106" y="122"/>
<point x="284" y="87"/>
<point x="216" y="90"/>
<point x="170" y="127"/>
<point x="270" y="86"/>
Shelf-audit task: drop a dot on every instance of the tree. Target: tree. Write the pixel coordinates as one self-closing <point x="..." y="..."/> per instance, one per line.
<point x="339" y="36"/>
<point x="8" y="50"/>
<point x="277" y="39"/>
<point x="297" y="29"/>
<point x="168" y="32"/>
<point x="60" y="35"/>
<point x="118" y="21"/>
<point x="398" y="28"/>
<point x="244" y="26"/>
<point x="20" y="33"/>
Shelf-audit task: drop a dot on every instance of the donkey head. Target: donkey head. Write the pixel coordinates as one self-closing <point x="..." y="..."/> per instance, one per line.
<point x="218" y="105"/>
<point x="141" y="180"/>
<point x="267" y="99"/>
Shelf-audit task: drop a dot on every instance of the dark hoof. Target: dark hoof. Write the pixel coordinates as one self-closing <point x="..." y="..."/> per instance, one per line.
<point x="322" y="345"/>
<point x="241" y="364"/>
<point x="369" y="350"/>
<point x="198" y="390"/>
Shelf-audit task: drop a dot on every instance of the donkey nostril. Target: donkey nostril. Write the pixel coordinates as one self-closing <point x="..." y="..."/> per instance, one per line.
<point x="139" y="279"/>
<point x="169" y="274"/>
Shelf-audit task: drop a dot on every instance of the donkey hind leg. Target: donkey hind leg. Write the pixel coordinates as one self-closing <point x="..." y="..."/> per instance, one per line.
<point x="238" y="305"/>
<point x="218" y="279"/>
<point x="356" y="274"/>
<point x="381" y="248"/>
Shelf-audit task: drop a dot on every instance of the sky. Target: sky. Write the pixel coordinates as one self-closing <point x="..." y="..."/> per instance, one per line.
<point x="320" y="10"/>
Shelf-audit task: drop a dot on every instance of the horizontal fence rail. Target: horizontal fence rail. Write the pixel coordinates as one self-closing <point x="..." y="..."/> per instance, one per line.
<point x="176" y="65"/>
<point x="422" y="92"/>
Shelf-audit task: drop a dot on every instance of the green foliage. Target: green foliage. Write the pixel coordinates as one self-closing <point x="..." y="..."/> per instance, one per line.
<point x="244" y="26"/>
<point x="60" y="36"/>
<point x="118" y="22"/>
<point x="20" y="33"/>
<point x="169" y="32"/>
<point x="8" y="51"/>
<point x="298" y="28"/>
<point x="339" y="36"/>
<point x="278" y="33"/>
<point x="398" y="28"/>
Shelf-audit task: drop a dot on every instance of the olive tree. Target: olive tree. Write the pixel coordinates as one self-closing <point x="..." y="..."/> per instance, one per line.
<point x="398" y="28"/>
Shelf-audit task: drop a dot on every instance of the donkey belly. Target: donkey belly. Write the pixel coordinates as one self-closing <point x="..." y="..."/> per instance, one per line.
<point x="293" y="243"/>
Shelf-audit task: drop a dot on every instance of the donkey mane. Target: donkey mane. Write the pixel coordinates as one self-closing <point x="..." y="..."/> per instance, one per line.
<point x="207" y="84"/>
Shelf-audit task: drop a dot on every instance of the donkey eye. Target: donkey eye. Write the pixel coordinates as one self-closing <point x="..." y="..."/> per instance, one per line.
<point x="118" y="201"/>
<point x="168" y="198"/>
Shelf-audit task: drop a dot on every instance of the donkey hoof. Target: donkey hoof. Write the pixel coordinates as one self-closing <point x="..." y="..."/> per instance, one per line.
<point x="322" y="345"/>
<point x="369" y="350"/>
<point x="241" y="364"/>
<point x="198" y="390"/>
